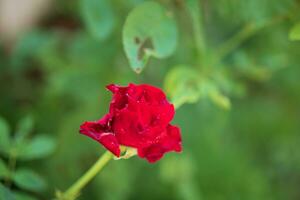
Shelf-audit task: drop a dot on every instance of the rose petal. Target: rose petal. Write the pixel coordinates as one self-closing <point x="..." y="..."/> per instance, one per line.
<point x="151" y="153"/>
<point x="170" y="140"/>
<point x="98" y="131"/>
<point x="173" y="141"/>
<point x="110" y="141"/>
<point x="119" y="99"/>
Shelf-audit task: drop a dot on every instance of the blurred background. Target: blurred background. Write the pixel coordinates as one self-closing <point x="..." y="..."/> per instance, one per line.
<point x="241" y="135"/>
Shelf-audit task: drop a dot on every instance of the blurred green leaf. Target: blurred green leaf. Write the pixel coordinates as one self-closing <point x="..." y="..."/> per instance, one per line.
<point x="4" y="136"/>
<point x="212" y="90"/>
<point x="249" y="68"/>
<point x="256" y="11"/>
<point x="24" y="128"/>
<point x="51" y="52"/>
<point x="219" y="99"/>
<point x="28" y="46"/>
<point x="39" y="147"/>
<point x="29" y="180"/>
<point x="4" y="172"/>
<point x="295" y="32"/>
<point x="149" y="30"/>
<point x="5" y="194"/>
<point x="98" y="17"/>
<point x="182" y="84"/>
<point x="85" y="50"/>
<point x="22" y="196"/>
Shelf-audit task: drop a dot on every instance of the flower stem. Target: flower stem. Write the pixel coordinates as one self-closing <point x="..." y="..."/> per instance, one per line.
<point x="245" y="33"/>
<point x="12" y="165"/>
<point x="236" y="40"/>
<point x="75" y="189"/>
<point x="195" y="11"/>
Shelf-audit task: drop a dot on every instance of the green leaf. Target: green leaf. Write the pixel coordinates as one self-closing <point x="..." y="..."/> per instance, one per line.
<point x="98" y="17"/>
<point x="182" y="84"/>
<point x="295" y="32"/>
<point x="4" y="136"/>
<point x="5" y="194"/>
<point x="220" y="100"/>
<point x="211" y="90"/>
<point x="39" y="147"/>
<point x="22" y="196"/>
<point x="29" y="180"/>
<point x="24" y="128"/>
<point x="28" y="46"/>
<point x="246" y="66"/>
<point x="4" y="172"/>
<point x="256" y="11"/>
<point x="149" y="30"/>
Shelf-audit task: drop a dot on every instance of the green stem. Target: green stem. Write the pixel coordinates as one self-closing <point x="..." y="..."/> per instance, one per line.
<point x="196" y="16"/>
<point x="12" y="161"/>
<point x="245" y="33"/>
<point x="235" y="41"/>
<point x="198" y="33"/>
<point x="75" y="189"/>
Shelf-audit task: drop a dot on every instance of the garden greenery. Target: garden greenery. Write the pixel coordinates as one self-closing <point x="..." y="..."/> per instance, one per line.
<point x="231" y="68"/>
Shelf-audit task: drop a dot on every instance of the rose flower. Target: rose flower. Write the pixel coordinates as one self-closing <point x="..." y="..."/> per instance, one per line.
<point x="139" y="117"/>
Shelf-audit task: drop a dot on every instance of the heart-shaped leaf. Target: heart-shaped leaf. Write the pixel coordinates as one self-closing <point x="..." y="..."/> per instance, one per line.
<point x="149" y="30"/>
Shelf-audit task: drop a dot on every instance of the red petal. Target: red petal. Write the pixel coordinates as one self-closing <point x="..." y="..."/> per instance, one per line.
<point x="113" y="88"/>
<point x="173" y="142"/>
<point x="152" y="153"/>
<point x="110" y="142"/>
<point x="170" y="140"/>
<point x="119" y="99"/>
<point x="98" y="132"/>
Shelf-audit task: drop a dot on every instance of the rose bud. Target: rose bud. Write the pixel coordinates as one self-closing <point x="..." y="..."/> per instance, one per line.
<point x="139" y="117"/>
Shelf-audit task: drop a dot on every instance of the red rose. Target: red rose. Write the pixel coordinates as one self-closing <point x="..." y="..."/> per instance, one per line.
<point x="139" y="117"/>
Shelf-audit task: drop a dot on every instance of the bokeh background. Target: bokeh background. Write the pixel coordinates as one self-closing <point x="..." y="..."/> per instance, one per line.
<point x="241" y="144"/>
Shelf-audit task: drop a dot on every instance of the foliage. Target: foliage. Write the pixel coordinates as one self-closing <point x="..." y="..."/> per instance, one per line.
<point x="231" y="68"/>
<point x="295" y="32"/>
<point x="98" y="17"/>
<point x="149" y="30"/>
<point x="20" y="146"/>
